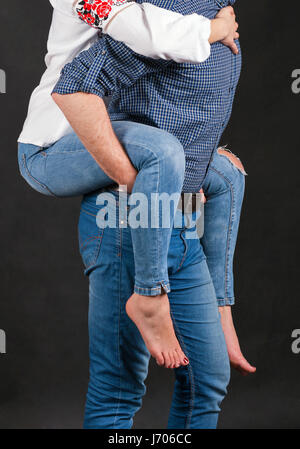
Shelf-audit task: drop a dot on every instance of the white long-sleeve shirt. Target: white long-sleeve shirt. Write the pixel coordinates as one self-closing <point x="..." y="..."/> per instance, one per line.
<point x="147" y="29"/>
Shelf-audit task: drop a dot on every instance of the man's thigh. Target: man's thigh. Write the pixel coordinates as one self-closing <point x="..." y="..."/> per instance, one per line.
<point x="201" y="386"/>
<point x="119" y="358"/>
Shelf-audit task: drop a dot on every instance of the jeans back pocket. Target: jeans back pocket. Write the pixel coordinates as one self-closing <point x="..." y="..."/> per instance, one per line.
<point x="90" y="237"/>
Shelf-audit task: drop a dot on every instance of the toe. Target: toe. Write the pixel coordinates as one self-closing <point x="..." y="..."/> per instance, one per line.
<point x="160" y="359"/>
<point x="177" y="357"/>
<point x="173" y="359"/>
<point x="185" y="361"/>
<point x="245" y="365"/>
<point x="177" y="364"/>
<point x="183" y="358"/>
<point x="167" y="360"/>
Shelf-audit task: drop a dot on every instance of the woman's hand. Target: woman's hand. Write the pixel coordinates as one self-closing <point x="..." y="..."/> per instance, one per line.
<point x="224" y="29"/>
<point x="203" y="197"/>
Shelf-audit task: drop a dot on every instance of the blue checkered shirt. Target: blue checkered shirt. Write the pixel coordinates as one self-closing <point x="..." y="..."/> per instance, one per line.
<point x="191" y="101"/>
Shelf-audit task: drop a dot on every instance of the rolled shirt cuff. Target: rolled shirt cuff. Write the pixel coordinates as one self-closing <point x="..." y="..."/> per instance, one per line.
<point x="82" y="74"/>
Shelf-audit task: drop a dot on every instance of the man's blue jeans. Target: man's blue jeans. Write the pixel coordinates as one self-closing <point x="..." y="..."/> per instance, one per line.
<point x="118" y="356"/>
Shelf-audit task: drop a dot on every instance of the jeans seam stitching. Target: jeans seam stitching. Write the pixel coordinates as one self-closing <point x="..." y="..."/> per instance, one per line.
<point x="190" y="373"/>
<point x="185" y="251"/>
<point x="63" y="152"/>
<point x="33" y="178"/>
<point x="158" y="231"/>
<point x="95" y="237"/>
<point x="97" y="250"/>
<point x="98" y="237"/>
<point x="88" y="213"/>
<point x="229" y="233"/>
<point x="148" y="148"/>
<point x="119" y="319"/>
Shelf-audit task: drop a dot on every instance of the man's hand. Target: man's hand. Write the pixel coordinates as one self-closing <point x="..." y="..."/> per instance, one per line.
<point x="236" y="357"/>
<point x="88" y="117"/>
<point x="224" y="29"/>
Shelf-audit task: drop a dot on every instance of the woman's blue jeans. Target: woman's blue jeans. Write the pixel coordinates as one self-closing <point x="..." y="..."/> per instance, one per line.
<point x="118" y="356"/>
<point x="67" y="169"/>
<point x="224" y="188"/>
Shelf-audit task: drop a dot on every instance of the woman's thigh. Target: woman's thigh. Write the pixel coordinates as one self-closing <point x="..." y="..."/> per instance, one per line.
<point x="67" y="169"/>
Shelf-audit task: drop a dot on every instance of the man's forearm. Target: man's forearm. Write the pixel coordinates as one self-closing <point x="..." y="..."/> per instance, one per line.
<point x="88" y="117"/>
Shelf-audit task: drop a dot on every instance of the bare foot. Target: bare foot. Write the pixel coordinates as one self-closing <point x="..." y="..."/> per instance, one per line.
<point x="236" y="357"/>
<point x="151" y="315"/>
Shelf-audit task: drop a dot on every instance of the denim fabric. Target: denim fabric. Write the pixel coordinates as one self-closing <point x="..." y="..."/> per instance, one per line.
<point x="191" y="101"/>
<point x="67" y="169"/>
<point x="118" y="356"/>
<point x="224" y="188"/>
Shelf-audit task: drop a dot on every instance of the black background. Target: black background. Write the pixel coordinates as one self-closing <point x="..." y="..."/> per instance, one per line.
<point x="44" y="296"/>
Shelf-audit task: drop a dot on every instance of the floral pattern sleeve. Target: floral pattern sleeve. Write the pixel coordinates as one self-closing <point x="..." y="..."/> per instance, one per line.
<point x="95" y="12"/>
